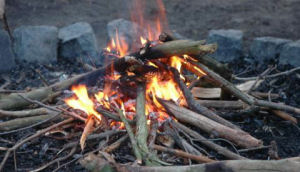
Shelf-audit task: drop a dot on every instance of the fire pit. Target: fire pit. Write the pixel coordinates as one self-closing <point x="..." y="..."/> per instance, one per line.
<point x="158" y="101"/>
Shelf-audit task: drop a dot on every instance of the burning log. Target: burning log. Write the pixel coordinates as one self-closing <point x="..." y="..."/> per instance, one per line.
<point x="204" y="59"/>
<point x="14" y="101"/>
<point x="238" y="137"/>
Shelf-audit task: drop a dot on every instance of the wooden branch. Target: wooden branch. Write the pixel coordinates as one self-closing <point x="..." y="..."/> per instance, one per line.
<point x="112" y="115"/>
<point x="222" y="104"/>
<point x="153" y="132"/>
<point x="215" y="93"/>
<point x="95" y="163"/>
<point x="238" y="137"/>
<point x="115" y="145"/>
<point x="180" y="153"/>
<point x="14" y="101"/>
<point x="276" y="106"/>
<point x="286" y="73"/>
<point x="135" y="147"/>
<point x="141" y="123"/>
<point x="213" y="64"/>
<point x="181" y="142"/>
<point x="23" y="122"/>
<point x="284" y="116"/>
<point x="179" y="48"/>
<point x="198" y="107"/>
<point x="24" y="113"/>
<point x="219" y="149"/>
<point x="223" y="83"/>
<point x="283" y="165"/>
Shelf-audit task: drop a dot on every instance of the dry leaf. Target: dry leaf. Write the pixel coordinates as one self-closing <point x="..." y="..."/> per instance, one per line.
<point x="88" y="129"/>
<point x="2" y="8"/>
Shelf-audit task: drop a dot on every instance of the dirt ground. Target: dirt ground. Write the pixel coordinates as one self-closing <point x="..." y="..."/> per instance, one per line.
<point x="192" y="18"/>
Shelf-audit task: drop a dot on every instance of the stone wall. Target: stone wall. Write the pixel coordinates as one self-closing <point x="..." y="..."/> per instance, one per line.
<point x="47" y="44"/>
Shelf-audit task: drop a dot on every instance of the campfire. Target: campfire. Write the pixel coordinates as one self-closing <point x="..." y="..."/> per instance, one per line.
<point x="148" y="97"/>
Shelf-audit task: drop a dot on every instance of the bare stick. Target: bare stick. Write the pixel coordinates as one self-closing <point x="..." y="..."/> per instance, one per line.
<point x="243" y="96"/>
<point x="238" y="137"/>
<point x="222" y="104"/>
<point x="57" y="160"/>
<point x="277" y="106"/>
<point x="198" y="107"/>
<point x="37" y="134"/>
<point x="269" y="76"/>
<point x="142" y="129"/>
<point x="180" y="153"/>
<point x="284" y="116"/>
<point x="136" y="150"/>
<point x="24" y="113"/>
<point x="116" y="144"/>
<point x="112" y="115"/>
<point x="230" y="165"/>
<point x="219" y="149"/>
<point x="153" y="132"/>
<point x="23" y="122"/>
<point x="31" y="126"/>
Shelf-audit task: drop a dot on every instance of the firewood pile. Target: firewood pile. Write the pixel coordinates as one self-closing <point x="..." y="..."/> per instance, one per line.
<point x="164" y="101"/>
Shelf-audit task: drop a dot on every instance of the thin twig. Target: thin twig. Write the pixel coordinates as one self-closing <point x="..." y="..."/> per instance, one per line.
<point x="57" y="160"/>
<point x="199" y="158"/>
<point x="136" y="150"/>
<point x="45" y="82"/>
<point x="268" y="76"/>
<point x="37" y="134"/>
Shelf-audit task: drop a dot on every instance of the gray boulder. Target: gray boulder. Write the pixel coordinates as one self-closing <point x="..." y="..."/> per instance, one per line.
<point x="128" y="30"/>
<point x="290" y="54"/>
<point x="230" y="44"/>
<point x="36" y="43"/>
<point x="7" y="59"/>
<point x="265" y="48"/>
<point x="77" y="41"/>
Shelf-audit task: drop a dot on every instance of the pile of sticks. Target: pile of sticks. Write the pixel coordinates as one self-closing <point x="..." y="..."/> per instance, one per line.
<point x="151" y="143"/>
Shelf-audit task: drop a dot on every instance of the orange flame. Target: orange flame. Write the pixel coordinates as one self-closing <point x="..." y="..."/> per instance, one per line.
<point x="118" y="44"/>
<point x="143" y="40"/>
<point x="82" y="101"/>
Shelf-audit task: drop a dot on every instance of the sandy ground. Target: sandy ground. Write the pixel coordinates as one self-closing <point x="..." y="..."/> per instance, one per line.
<point x="191" y="18"/>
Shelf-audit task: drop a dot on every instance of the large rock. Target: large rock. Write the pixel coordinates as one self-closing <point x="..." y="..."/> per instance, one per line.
<point x="290" y="54"/>
<point x="127" y="30"/>
<point x="230" y="44"/>
<point x="7" y="59"/>
<point x="77" y="41"/>
<point x="36" y="43"/>
<point x="265" y="48"/>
